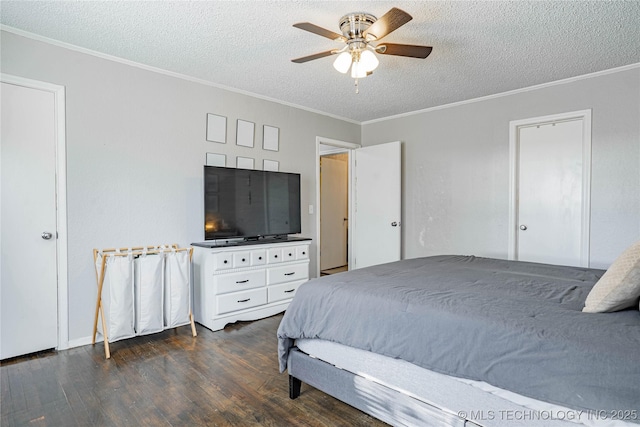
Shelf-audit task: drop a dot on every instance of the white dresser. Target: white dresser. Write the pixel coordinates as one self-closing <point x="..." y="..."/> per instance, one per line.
<point x="247" y="282"/>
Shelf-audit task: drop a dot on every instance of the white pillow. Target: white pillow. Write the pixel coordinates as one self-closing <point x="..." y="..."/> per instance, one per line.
<point x="619" y="287"/>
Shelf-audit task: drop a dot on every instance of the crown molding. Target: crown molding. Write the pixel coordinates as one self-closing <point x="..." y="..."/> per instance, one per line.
<point x="508" y="93"/>
<point x="301" y="107"/>
<point x="113" y="58"/>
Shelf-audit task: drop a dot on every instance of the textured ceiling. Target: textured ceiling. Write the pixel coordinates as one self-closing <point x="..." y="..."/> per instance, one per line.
<point x="479" y="47"/>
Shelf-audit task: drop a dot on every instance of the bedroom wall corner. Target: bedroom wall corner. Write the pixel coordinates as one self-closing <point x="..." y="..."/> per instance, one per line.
<point x="456" y="166"/>
<point x="136" y="143"/>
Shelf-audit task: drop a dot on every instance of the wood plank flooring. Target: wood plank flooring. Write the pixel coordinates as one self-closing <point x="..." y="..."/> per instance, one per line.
<point x="223" y="378"/>
<point x="341" y="269"/>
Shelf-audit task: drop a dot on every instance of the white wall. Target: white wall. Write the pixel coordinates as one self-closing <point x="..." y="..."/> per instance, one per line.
<point x="135" y="149"/>
<point x="456" y="167"/>
<point x="136" y="145"/>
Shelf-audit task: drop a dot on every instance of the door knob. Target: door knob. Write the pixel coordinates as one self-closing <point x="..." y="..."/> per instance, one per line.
<point x="46" y="235"/>
<point x="394" y="224"/>
<point x="523" y="227"/>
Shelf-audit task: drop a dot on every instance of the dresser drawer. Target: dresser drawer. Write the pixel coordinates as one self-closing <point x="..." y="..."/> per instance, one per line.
<point x="284" y="290"/>
<point x="233" y="282"/>
<point x="240" y="300"/>
<point x="223" y="261"/>
<point x="275" y="255"/>
<point x="289" y="253"/>
<point x="302" y="252"/>
<point x="241" y="259"/>
<point x="288" y="273"/>
<point x="259" y="257"/>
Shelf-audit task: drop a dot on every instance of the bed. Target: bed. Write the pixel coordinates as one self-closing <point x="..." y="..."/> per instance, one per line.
<point x="465" y="341"/>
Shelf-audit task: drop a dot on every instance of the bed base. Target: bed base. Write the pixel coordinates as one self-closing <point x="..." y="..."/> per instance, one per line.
<point x="377" y="400"/>
<point x="402" y="409"/>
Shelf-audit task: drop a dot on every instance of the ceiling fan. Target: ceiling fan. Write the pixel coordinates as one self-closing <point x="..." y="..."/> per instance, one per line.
<point x="361" y="33"/>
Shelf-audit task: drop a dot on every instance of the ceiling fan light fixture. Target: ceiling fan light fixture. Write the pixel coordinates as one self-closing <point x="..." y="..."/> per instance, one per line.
<point x="359" y="31"/>
<point x="368" y="61"/>
<point x="342" y="62"/>
<point x="358" y="71"/>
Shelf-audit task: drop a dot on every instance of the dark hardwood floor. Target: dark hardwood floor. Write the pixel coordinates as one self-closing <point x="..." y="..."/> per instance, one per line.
<point x="223" y="378"/>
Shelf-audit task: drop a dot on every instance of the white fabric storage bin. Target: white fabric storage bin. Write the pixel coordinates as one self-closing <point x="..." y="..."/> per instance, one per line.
<point x="118" y="297"/>
<point x="177" y="289"/>
<point x="149" y="277"/>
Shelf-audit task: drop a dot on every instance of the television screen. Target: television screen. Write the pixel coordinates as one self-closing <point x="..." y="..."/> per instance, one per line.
<point x="250" y="203"/>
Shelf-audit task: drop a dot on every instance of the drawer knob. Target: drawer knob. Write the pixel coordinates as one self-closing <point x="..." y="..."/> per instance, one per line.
<point x="225" y="261"/>
<point x="275" y="256"/>
<point x="260" y="258"/>
<point x="244" y="300"/>
<point x="290" y="274"/>
<point x="304" y="253"/>
<point x="242" y="281"/>
<point x="243" y="260"/>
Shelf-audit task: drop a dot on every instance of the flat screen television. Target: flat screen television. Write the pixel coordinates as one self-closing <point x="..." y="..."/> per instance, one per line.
<point x="250" y="204"/>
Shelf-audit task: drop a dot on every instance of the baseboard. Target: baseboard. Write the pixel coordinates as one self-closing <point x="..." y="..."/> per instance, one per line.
<point x="79" y="342"/>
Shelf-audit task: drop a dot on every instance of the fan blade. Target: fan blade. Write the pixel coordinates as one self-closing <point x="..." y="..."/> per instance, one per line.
<point x="312" y="57"/>
<point x="389" y="22"/>
<point x="404" y="50"/>
<point x="312" y="28"/>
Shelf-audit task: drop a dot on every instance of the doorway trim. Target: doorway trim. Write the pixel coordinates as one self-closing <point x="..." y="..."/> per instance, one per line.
<point x="61" y="198"/>
<point x="514" y="127"/>
<point x="340" y="146"/>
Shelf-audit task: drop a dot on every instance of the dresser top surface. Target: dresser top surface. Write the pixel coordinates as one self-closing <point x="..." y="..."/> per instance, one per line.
<point x="235" y="244"/>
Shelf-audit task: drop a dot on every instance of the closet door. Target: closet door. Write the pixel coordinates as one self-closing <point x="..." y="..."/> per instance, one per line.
<point x="550" y="200"/>
<point x="28" y="282"/>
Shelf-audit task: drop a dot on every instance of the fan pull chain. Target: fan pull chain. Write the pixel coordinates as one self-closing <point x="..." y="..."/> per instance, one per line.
<point x="357" y="88"/>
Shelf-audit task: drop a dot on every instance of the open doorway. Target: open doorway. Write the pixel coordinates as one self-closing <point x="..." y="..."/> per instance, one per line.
<point x="333" y="200"/>
<point x="373" y="229"/>
<point x="334" y="213"/>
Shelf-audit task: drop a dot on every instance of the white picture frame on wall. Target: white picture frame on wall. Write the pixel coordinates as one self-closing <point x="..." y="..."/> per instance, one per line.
<point x="244" y="133"/>
<point x="270" y="165"/>
<point x="244" y="162"/>
<point x="216" y="128"/>
<point x="270" y="138"/>
<point x="215" y="159"/>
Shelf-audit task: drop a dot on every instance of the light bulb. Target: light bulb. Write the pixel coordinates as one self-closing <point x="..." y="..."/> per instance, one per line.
<point x="342" y="62"/>
<point x="358" y="71"/>
<point x="368" y="61"/>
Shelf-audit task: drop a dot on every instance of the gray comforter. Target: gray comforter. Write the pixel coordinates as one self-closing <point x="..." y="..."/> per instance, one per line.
<point x="515" y="325"/>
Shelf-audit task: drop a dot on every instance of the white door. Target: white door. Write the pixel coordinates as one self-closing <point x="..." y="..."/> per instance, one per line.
<point x="334" y="210"/>
<point x="550" y="192"/>
<point x="377" y="205"/>
<point x="28" y="279"/>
